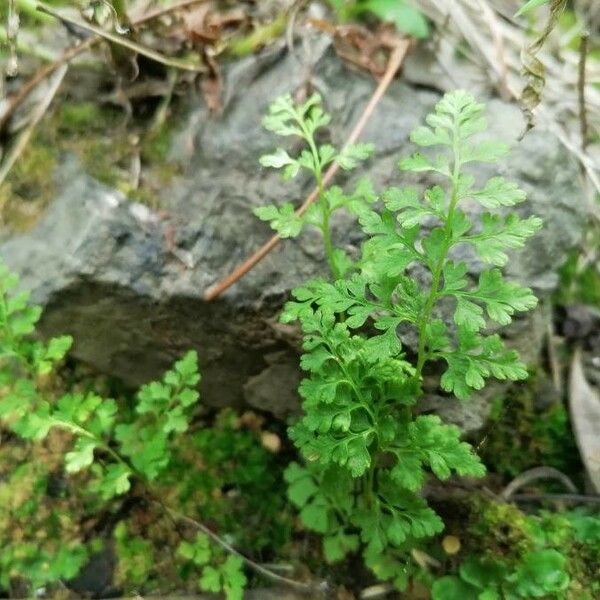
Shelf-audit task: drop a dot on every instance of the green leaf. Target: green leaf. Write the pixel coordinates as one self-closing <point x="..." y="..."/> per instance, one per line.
<point x="234" y="580"/>
<point x="279" y="159"/>
<point x="187" y="368"/>
<point x="283" y="118"/>
<point x="327" y="154"/>
<point x="405" y="17"/>
<point x="315" y="516"/>
<point x="283" y="219"/>
<point x="301" y="486"/>
<point x="187" y="397"/>
<point x="342" y="262"/>
<point x="104" y="417"/>
<point x="185" y="550"/>
<point x="55" y="351"/>
<point x="210" y="580"/>
<point x="543" y="573"/>
<point x="426" y="136"/>
<point x="200" y="550"/>
<point x="408" y="471"/>
<point x="176" y="420"/>
<point x="477" y="358"/>
<point x="428" y="442"/>
<point x="81" y="456"/>
<point x="530" y="5"/>
<point x="501" y="298"/>
<point x="153" y="398"/>
<point x="405" y="201"/>
<point x="351" y="155"/>
<point x="487" y="151"/>
<point x="388" y="566"/>
<point x="453" y="588"/>
<point x="435" y="246"/>
<point x="336" y="547"/>
<point x="499" y="233"/>
<point x="67" y="562"/>
<point x="115" y="481"/>
<point x="454" y="277"/>
<point x="482" y="573"/>
<point x="498" y="192"/>
<point x="23" y="322"/>
<point x="468" y="315"/>
<point x="418" y="162"/>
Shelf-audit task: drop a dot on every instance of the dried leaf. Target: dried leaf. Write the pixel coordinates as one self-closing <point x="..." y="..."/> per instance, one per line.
<point x="584" y="406"/>
<point x="533" y="69"/>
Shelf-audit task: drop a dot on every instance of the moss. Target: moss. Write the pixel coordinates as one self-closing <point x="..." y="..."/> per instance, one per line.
<point x="87" y="130"/>
<point x="500" y="530"/>
<point x="29" y="186"/>
<point x="503" y="532"/>
<point x="580" y="283"/>
<point x="39" y="515"/>
<point x="520" y="437"/>
<point x="156" y="145"/>
<point x="79" y="117"/>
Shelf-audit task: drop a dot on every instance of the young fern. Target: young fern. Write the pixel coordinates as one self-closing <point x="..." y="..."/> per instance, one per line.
<point x="367" y="453"/>
<point x="113" y="449"/>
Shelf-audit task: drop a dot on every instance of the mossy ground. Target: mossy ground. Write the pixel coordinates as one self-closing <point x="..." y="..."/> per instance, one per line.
<point x="522" y="436"/>
<point x="108" y="150"/>
<point x="221" y="475"/>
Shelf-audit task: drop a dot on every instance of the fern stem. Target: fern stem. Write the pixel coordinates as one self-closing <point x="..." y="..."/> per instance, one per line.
<point x="422" y="354"/>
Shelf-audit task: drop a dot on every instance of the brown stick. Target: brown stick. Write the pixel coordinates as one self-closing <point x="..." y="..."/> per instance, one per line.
<point x="44" y="72"/>
<point x="122" y="40"/>
<point x="74" y="51"/>
<point x="581" y="89"/>
<point x="396" y="59"/>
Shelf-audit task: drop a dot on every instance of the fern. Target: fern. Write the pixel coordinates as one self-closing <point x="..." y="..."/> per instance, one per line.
<point x="367" y="453"/>
<point x="114" y="449"/>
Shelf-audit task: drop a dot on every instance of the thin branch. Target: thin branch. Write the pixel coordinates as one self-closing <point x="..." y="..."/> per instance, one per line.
<point x="396" y="59"/>
<point x="312" y="588"/>
<point x="583" y="123"/>
<point x="123" y="41"/>
<point x="533" y="475"/>
<point x="24" y="138"/>
<point x="40" y="75"/>
<point x="575" y="498"/>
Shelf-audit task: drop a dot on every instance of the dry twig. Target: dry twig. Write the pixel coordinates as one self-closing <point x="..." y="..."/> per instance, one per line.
<point x="534" y="475"/>
<point x="312" y="588"/>
<point x="125" y="42"/>
<point x="396" y="59"/>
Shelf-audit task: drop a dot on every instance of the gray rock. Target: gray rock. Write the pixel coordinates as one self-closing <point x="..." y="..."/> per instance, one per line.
<point x="128" y="284"/>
